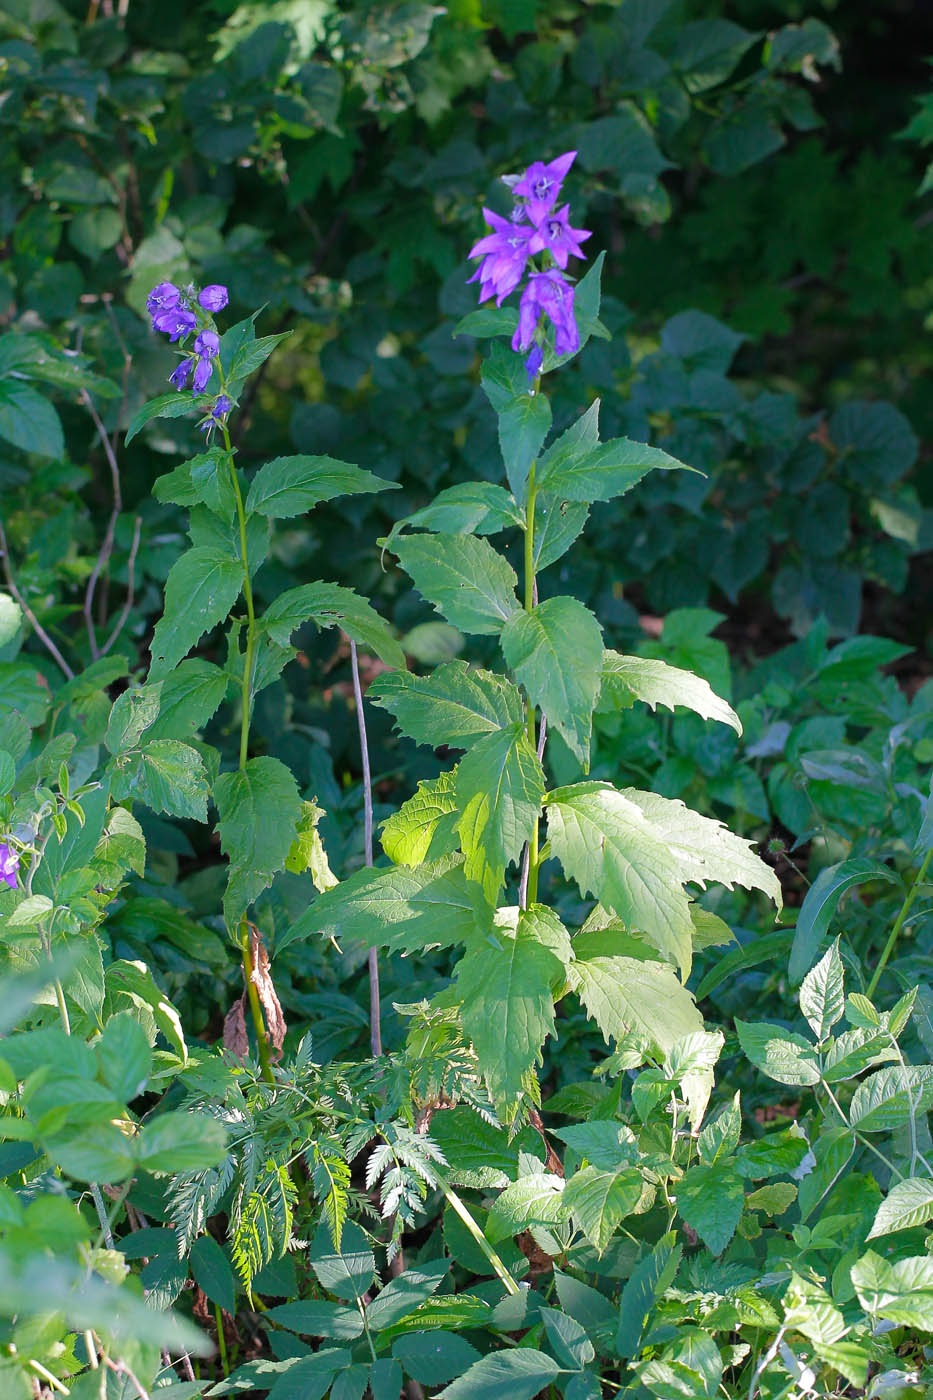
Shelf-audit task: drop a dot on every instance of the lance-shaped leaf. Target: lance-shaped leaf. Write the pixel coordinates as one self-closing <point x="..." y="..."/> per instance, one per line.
<point x="886" y="1099"/>
<point x="464" y="578"/>
<point x="822" y="996"/>
<point x="455" y="705"/>
<point x="907" y="1205"/>
<point x="189" y="697"/>
<point x="505" y="981"/>
<point x="167" y="775"/>
<point x="629" y="678"/>
<point x="468" y="508"/>
<point x="601" y="472"/>
<point x="398" y="908"/>
<point x="523" y="426"/>
<point x="625" y="994"/>
<point x="258" y="810"/>
<point x="711" y="1198"/>
<point x="705" y="849"/>
<point x="173" y="405"/>
<point x="610" y="848"/>
<point x="820" y="902"/>
<point x="289" y="486"/>
<point x="555" y="651"/>
<point x="332" y="605"/>
<point x="599" y="1200"/>
<point x="425" y="827"/>
<point x="201" y="588"/>
<point x="202" y="480"/>
<point x="500" y="786"/>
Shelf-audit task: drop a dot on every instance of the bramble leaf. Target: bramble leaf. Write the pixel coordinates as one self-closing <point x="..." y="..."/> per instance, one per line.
<point x="624" y="994"/>
<point x="455" y="705"/>
<point x="463" y="577"/>
<point x="167" y="775"/>
<point x="332" y="605"/>
<point x="425" y="827"/>
<point x="201" y="588"/>
<point x="629" y="678"/>
<point x="258" y="811"/>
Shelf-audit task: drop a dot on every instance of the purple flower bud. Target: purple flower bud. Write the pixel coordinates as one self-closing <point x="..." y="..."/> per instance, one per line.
<point x="222" y="406"/>
<point x="162" y="298"/>
<point x="214" y="297"/>
<point x="182" y="373"/>
<point x="202" y="374"/>
<point x="549" y="294"/>
<point x="533" y="363"/>
<point x="174" y="323"/>
<point x="207" y="343"/>
<point x="9" y="864"/>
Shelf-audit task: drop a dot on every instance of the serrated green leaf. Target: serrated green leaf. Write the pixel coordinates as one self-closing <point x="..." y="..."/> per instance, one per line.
<point x="202" y="480"/>
<point x="908" y="1204"/>
<point x="332" y="605"/>
<point x="885" y="1100"/>
<point x="29" y="421"/>
<point x="504" y="981"/>
<point x="289" y="486"/>
<point x="431" y="1358"/>
<point x="347" y="1272"/>
<point x="499" y="789"/>
<point x="822" y="995"/>
<point x="456" y="703"/>
<point x="504" y="1375"/>
<point x="398" y="908"/>
<point x="629" y="678"/>
<point x="523" y="425"/>
<point x="599" y="1200"/>
<point x="201" y="588"/>
<point x="167" y="775"/>
<point x="258" y="809"/>
<point x="720" y="1137"/>
<point x="425" y="827"/>
<point x="314" y="1317"/>
<point x="173" y="405"/>
<point x="710" y="1198"/>
<point x="133" y="712"/>
<point x="648" y="1280"/>
<point x="555" y="651"/>
<point x="190" y="696"/>
<point x="532" y="1200"/>
<point x="857" y="1050"/>
<point x="469" y="508"/>
<point x="624" y="994"/>
<point x="600" y="472"/>
<point x="901" y="1292"/>
<point x="251" y="353"/>
<point x="463" y="577"/>
<point x="212" y="1272"/>
<point x="780" y="1054"/>
<point x="607" y="845"/>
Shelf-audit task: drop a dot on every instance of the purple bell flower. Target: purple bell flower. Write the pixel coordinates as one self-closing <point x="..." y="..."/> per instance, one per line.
<point x="533" y="363"/>
<point x="214" y="297"/>
<point x="504" y="253"/>
<point x="555" y="235"/>
<point x="222" y="406"/>
<point x="182" y="373"/>
<point x="202" y="373"/>
<point x="163" y="297"/>
<point x="541" y="183"/>
<point x="207" y="344"/>
<point x="176" y="322"/>
<point x="547" y="293"/>
<point x="9" y="864"/>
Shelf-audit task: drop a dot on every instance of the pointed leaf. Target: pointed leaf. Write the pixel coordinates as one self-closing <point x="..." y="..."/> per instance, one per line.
<point x="201" y="588"/>
<point x="465" y="579"/>
<point x="607" y="845"/>
<point x="173" y="405"/>
<point x="332" y="605"/>
<point x="822" y="996"/>
<point x="258" y="810"/>
<point x="629" y="678"/>
<point x="710" y="1198"/>
<point x="555" y="651"/>
<point x="499" y="789"/>
<point x="469" y="508"/>
<point x="601" y="472"/>
<point x="504" y="1375"/>
<point x="780" y="1054"/>
<point x="623" y="994"/>
<point x="819" y="906"/>
<point x="648" y="1280"/>
<point x="884" y="1101"/>
<point x="289" y="486"/>
<point x="523" y="426"/>
<point x="167" y="775"/>
<point x="456" y="704"/>
<point x="907" y="1205"/>
<point x="189" y="697"/>
<point x="425" y="827"/>
<point x="599" y="1200"/>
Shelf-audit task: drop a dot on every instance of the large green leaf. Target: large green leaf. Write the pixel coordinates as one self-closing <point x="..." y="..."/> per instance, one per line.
<point x="885" y="1100"/>
<point x="425" y="827"/>
<point x="599" y="1200"/>
<point x="504" y="1375"/>
<point x="646" y="1283"/>
<point x="629" y="678"/>
<point x="201" y="588"/>
<point x="819" y="906"/>
<point x="398" y="908"/>
<point x="289" y="486"/>
<point x="901" y="1292"/>
<point x="907" y="1205"/>
<point x="29" y="421"/>
<point x="704" y="849"/>
<point x="455" y="705"/>
<point x="465" y="579"/>
<point x="581" y="472"/>
<point x="332" y="605"/>
<point x="468" y="508"/>
<point x="780" y="1054"/>
<point x="710" y="1198"/>
<point x="624" y="994"/>
<point x="167" y="775"/>
<point x="607" y="845"/>
<point x="189" y="696"/>
<point x="555" y="651"/>
<point x="537" y="1199"/>
<point x="822" y="994"/>
<point x="504" y="980"/>
<point x="258" y="809"/>
<point x="499" y="788"/>
<point x="173" y="405"/>
<point x="523" y="426"/>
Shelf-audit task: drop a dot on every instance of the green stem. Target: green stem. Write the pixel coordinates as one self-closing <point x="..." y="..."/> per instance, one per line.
<point x="899" y="922"/>
<point x="221" y="1341"/>
<point x="457" y="1204"/>
<point x="531" y="894"/>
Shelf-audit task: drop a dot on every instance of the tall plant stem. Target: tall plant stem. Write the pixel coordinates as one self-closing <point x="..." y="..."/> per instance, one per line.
<point x="531" y="888"/>
<point x="375" y="1021"/>
<point x="252" y="996"/>
<point x="899" y="922"/>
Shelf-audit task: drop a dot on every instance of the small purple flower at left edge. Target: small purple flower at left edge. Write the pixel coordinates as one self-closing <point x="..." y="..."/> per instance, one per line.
<point x="504" y="253"/>
<point x="549" y="294"/>
<point x="9" y="864"/>
<point x="222" y="406"/>
<point x="182" y="373"/>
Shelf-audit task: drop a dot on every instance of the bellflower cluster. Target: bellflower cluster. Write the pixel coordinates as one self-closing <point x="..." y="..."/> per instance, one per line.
<point x="9" y="864"/>
<point x="536" y="227"/>
<point x="174" y="315"/>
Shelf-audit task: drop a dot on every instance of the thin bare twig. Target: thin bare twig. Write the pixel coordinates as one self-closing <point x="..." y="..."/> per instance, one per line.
<point x="120" y="1368"/>
<point x="375" y="1026"/>
<point x="37" y="627"/>
<point x="130" y="588"/>
<point x="106" y="549"/>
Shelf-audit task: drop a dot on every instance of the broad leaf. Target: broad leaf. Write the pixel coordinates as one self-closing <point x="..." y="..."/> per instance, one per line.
<point x="189" y="697"/>
<point x="499" y="789"/>
<point x="258" y="810"/>
<point x="425" y="827"/>
<point x="133" y="713"/>
<point x="537" y="1199"/>
<point x="289" y="486"/>
<point x="819" y="906"/>
<point x="202" y="480"/>
<point x="780" y="1054"/>
<point x="454" y="705"/>
<point x="624" y="994"/>
<point x="523" y="426"/>
<point x="648" y="1280"/>
<point x="607" y="845"/>
<point x="908" y="1204"/>
<point x="398" y="908"/>
<point x="167" y="775"/>
<point x="555" y="651"/>
<point x="629" y="678"/>
<point x="504" y="1375"/>
<point x="580" y="472"/>
<point x="822" y="996"/>
<point x="505" y="982"/>
<point x="901" y="1292"/>
<point x="885" y="1100"/>
<point x="29" y="421"/>
<point x="469" y="508"/>
<point x="201" y="588"/>
<point x="710" y="1198"/>
<point x="599" y="1200"/>
<point x="465" y="579"/>
<point x="332" y="605"/>
<point x="173" y="405"/>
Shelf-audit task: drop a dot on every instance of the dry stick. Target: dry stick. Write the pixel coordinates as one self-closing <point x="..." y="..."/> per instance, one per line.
<point x="106" y="548"/>
<point x="120" y="1368"/>
<point x="130" y="588"/>
<point x="375" y="1027"/>
<point x="37" y="627"/>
